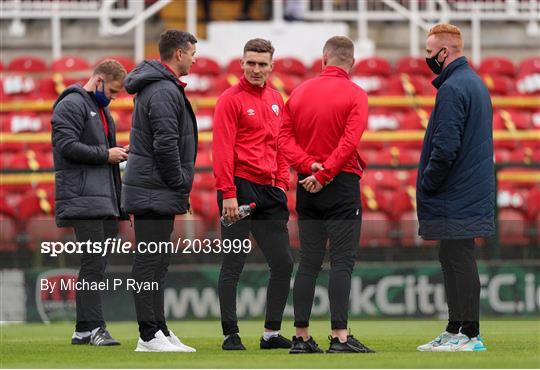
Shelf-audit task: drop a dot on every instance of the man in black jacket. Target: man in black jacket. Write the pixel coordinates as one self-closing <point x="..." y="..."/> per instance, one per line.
<point x="159" y="175"/>
<point x="87" y="182"/>
<point x="455" y="188"/>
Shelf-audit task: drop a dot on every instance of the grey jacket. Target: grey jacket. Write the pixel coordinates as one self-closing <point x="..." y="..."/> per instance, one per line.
<point x="86" y="185"/>
<point x="163" y="143"/>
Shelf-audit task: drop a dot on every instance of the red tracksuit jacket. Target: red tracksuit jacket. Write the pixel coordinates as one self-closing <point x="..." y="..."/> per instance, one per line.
<point x="323" y="122"/>
<point x="247" y="120"/>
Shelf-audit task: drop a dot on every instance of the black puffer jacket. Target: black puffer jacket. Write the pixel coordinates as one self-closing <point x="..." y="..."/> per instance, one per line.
<point x="163" y="143"/>
<point x="87" y="186"/>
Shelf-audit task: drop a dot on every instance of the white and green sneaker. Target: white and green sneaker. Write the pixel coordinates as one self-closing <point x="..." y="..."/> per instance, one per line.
<point x="442" y="339"/>
<point x="462" y="343"/>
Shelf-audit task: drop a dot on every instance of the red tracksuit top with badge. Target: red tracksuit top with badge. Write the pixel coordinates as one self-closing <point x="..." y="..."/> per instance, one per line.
<point x="247" y="119"/>
<point x="323" y="122"/>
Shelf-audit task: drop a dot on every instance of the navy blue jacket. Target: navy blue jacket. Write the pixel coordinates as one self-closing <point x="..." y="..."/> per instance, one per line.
<point x="455" y="189"/>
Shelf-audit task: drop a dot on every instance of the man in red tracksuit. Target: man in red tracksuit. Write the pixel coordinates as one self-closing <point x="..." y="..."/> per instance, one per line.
<point x="323" y="122"/>
<point x="249" y="169"/>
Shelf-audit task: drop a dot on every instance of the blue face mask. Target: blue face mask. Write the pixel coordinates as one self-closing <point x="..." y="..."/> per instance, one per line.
<point x="101" y="98"/>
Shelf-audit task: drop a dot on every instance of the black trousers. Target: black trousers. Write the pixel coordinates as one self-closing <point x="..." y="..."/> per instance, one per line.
<point x="334" y="214"/>
<point x="462" y="286"/>
<point x="268" y="224"/>
<point x="151" y="267"/>
<point x="88" y="302"/>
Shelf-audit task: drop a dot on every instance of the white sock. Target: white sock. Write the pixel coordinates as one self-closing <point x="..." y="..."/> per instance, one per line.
<point x="269" y="334"/>
<point x="83" y="334"/>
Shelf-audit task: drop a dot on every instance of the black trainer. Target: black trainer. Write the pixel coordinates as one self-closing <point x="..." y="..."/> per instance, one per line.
<point x="301" y="346"/>
<point x="103" y="338"/>
<point x="76" y="339"/>
<point x="233" y="343"/>
<point x="278" y="341"/>
<point x="352" y="345"/>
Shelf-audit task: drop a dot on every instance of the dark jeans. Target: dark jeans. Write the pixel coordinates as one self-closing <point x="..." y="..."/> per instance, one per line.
<point x="334" y="214"/>
<point x="268" y="224"/>
<point x="89" y="311"/>
<point x="462" y="286"/>
<point x="151" y="267"/>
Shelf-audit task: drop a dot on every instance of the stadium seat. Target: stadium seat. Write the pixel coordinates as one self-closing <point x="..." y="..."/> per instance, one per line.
<point x="19" y="87"/>
<point x="290" y="66"/>
<point x="284" y="83"/>
<point x="497" y="66"/>
<point x="502" y="155"/>
<point x="396" y="156"/>
<point x="374" y="66"/>
<point x="405" y="84"/>
<point x="70" y="64"/>
<point x="24" y="121"/>
<point x="509" y="120"/>
<point x="205" y="66"/>
<point x="199" y="84"/>
<point x="498" y="85"/>
<point x="415" y="119"/>
<point x="528" y="83"/>
<point x="205" y="118"/>
<point x="27" y="64"/>
<point x="525" y="155"/>
<point x="414" y="66"/>
<point x="375" y="230"/>
<point x="529" y="66"/>
<point x="373" y="85"/>
<point x="31" y="160"/>
<point x="223" y="82"/>
<point x="316" y="67"/>
<point x="127" y="62"/>
<point x="1" y="66"/>
<point x="234" y="67"/>
<point x="512" y="227"/>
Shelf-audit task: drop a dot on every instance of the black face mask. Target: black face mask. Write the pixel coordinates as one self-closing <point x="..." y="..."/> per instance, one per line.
<point x="434" y="64"/>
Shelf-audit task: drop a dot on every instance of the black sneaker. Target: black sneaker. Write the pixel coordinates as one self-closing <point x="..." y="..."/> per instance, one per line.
<point x="278" y="341"/>
<point x="76" y="339"/>
<point x="352" y="345"/>
<point x="299" y="346"/>
<point x="233" y="343"/>
<point x="103" y="338"/>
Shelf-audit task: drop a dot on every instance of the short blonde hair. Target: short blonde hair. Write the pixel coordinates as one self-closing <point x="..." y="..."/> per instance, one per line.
<point x="448" y="33"/>
<point x="111" y="69"/>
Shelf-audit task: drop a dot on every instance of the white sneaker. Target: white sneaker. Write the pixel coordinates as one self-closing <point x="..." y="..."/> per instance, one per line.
<point x="462" y="343"/>
<point x="173" y="339"/>
<point x="158" y="344"/>
<point x="442" y="339"/>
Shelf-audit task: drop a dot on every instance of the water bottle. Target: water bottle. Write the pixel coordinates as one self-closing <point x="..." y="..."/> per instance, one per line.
<point x="244" y="211"/>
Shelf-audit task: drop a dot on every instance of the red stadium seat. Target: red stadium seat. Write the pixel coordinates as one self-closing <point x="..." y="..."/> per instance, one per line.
<point x="283" y="83"/>
<point x="205" y="66"/>
<point x="510" y="120"/>
<point x="528" y="83"/>
<point x="526" y="155"/>
<point x="414" y="66"/>
<point x="316" y="67"/>
<point x="290" y="66"/>
<point x="234" y="67"/>
<point x="512" y="227"/>
<point x="375" y="230"/>
<point x="127" y="62"/>
<point x="27" y="64"/>
<point x="70" y="64"/>
<point x="529" y="66"/>
<point x="24" y="121"/>
<point x="396" y="156"/>
<point x="198" y="84"/>
<point x="383" y="120"/>
<point x="205" y="119"/>
<point x="19" y="87"/>
<point x="502" y="155"/>
<point x="405" y="84"/>
<point x="30" y="160"/>
<point x="498" y="85"/>
<point x="373" y="85"/>
<point x="374" y="66"/>
<point x="497" y="66"/>
<point x="223" y="82"/>
<point x="416" y="119"/>
<point x="1" y="66"/>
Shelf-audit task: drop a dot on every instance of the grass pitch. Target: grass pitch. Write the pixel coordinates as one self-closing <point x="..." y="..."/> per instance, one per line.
<point x="511" y="344"/>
